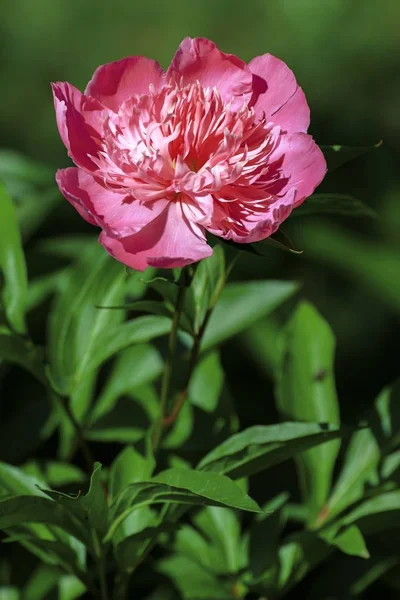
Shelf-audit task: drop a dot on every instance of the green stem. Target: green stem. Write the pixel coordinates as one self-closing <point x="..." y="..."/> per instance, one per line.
<point x="169" y="420"/>
<point x="196" y="349"/>
<point x="166" y="379"/>
<point x="102" y="581"/>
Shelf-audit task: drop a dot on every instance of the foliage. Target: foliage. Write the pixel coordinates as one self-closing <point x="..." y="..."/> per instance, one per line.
<point x="99" y="374"/>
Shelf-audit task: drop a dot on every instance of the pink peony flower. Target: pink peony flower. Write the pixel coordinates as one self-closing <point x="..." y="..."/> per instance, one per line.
<point x="212" y="144"/>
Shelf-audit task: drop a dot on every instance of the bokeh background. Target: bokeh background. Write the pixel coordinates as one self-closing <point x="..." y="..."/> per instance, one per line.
<point x="346" y="56"/>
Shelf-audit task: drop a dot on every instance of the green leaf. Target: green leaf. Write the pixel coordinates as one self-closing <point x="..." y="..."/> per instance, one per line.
<point x="7" y="592"/>
<point x="57" y="474"/>
<point x="206" y="384"/>
<point x="333" y="204"/>
<point x="241" y="305"/>
<point x="152" y="307"/>
<point x="366" y="450"/>
<point x="20" y="351"/>
<point x="76" y="324"/>
<point x="193" y="581"/>
<point x="12" y="265"/>
<point x="135" y="367"/>
<point x="130" y="419"/>
<point x="34" y="509"/>
<point x="376" y="514"/>
<point x="360" y="466"/>
<point x="298" y="555"/>
<point x="43" y="579"/>
<point x="13" y="481"/>
<point x="278" y="240"/>
<point x="43" y="287"/>
<point x="95" y="502"/>
<point x="211" y="486"/>
<point x="222" y="528"/>
<point x="207" y="282"/>
<point x="80" y="399"/>
<point x="129" y="551"/>
<point x="306" y="392"/>
<point x="70" y="588"/>
<point x="201" y="549"/>
<point x="181" y="486"/>
<point x="350" y="541"/>
<point x="114" y="339"/>
<point x="264" y="539"/>
<point x="89" y="509"/>
<point x="338" y="155"/>
<point x="129" y="467"/>
<point x="262" y="446"/>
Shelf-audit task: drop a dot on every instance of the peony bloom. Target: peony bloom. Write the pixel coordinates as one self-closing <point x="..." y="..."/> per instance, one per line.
<point x="211" y="145"/>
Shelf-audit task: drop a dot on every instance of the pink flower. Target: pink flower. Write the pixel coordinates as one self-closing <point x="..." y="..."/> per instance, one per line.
<point x="212" y="144"/>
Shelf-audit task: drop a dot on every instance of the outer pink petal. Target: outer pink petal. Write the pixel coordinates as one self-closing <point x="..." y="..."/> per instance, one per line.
<point x="115" y="82"/>
<point x="200" y="60"/>
<point x="277" y="95"/>
<point x="113" y="210"/>
<point x="79" y="120"/>
<point x="167" y="242"/>
<point x="303" y="164"/>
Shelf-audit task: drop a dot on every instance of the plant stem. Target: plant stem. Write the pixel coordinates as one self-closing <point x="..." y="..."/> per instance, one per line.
<point x="166" y="379"/>
<point x="87" y="454"/>
<point x="103" y="582"/>
<point x="170" y="419"/>
<point x="195" y="353"/>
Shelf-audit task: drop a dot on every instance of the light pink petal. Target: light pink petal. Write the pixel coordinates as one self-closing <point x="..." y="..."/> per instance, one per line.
<point x="303" y="164"/>
<point x="113" y="210"/>
<point x="79" y="120"/>
<point x="277" y="95"/>
<point x="116" y="82"/>
<point x="200" y="60"/>
<point x="167" y="242"/>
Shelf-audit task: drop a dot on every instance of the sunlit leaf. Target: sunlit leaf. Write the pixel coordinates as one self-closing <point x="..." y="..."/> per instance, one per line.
<point x="13" y="287"/>
<point x="262" y="446"/>
<point x="306" y="392"/>
<point x="241" y="305"/>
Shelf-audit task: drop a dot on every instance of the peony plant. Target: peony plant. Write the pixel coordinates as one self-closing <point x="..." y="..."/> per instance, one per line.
<point x="182" y="170"/>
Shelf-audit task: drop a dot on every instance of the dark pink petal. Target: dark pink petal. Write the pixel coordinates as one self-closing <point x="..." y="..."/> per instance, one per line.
<point x="113" y="210"/>
<point x="79" y="120"/>
<point x="200" y="60"/>
<point x="167" y="242"/>
<point x="277" y="95"/>
<point x="115" y="82"/>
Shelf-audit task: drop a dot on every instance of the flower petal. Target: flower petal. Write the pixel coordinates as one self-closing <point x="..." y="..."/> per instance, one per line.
<point x="200" y="60"/>
<point x="303" y="164"/>
<point x="277" y="95"/>
<point x="117" y="81"/>
<point x="114" y="210"/>
<point x="167" y="242"/>
<point x="79" y="120"/>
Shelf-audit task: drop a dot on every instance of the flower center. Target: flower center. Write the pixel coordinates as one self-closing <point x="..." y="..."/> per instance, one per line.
<point x="184" y="140"/>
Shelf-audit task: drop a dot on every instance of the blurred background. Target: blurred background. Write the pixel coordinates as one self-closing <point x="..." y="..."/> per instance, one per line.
<point x="346" y="56"/>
